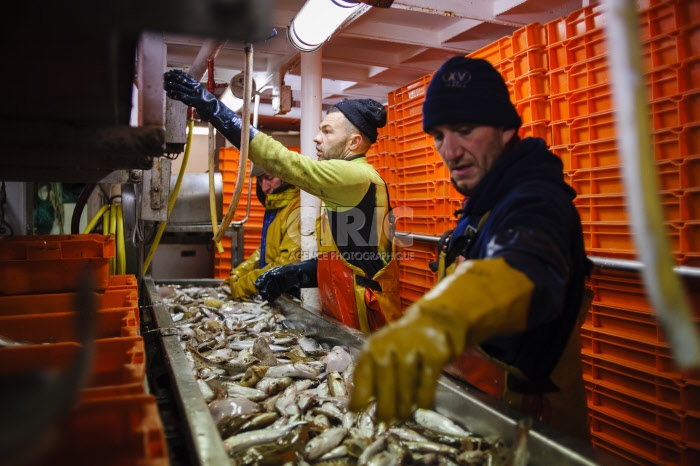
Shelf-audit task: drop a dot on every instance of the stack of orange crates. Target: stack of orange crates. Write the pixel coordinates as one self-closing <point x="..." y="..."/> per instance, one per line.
<point x="641" y="406"/>
<point x="114" y="421"/>
<point x="252" y="228"/>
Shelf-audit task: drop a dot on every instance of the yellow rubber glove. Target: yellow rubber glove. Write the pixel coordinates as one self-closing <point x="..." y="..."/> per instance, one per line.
<point x="400" y="364"/>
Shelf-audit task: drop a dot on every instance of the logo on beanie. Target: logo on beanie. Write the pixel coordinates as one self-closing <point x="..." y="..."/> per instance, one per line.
<point x="456" y="79"/>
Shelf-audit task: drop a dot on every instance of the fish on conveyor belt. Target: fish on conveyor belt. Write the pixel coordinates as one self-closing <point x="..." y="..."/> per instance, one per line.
<point x="279" y="397"/>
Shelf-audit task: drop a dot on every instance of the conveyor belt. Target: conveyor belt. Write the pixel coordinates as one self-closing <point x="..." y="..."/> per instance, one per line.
<point x="479" y="413"/>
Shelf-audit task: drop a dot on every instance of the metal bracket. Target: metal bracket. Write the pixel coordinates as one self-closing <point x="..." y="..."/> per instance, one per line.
<point x="156" y="189"/>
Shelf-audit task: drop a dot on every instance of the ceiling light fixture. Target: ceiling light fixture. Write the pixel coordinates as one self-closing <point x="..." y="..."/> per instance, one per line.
<point x="318" y="19"/>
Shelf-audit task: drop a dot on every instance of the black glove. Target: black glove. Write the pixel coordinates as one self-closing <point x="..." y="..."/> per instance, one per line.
<point x="181" y="86"/>
<point x="276" y="281"/>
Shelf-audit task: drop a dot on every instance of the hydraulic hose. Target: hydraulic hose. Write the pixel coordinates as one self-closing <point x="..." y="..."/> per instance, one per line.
<point x="211" y="164"/>
<point x="173" y="197"/>
<point x="79" y="206"/>
<point x="639" y="174"/>
<point x="121" y="244"/>
<point x="96" y="219"/>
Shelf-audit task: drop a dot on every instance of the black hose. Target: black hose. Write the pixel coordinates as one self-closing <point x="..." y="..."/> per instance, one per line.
<point x="79" y="206"/>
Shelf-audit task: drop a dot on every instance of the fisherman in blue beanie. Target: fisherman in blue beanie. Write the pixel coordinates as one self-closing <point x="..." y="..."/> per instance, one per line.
<point x="505" y="316"/>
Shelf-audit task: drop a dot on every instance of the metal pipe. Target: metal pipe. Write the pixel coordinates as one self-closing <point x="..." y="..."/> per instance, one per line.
<point x="209" y="50"/>
<point x="602" y="262"/>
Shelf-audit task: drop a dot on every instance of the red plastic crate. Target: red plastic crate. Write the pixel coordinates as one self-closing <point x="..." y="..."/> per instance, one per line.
<point x="53" y="263"/>
<point x="118" y="367"/>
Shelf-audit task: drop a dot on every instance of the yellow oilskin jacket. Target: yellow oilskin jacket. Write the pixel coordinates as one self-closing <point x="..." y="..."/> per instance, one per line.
<point x="342" y="185"/>
<point x="283" y="244"/>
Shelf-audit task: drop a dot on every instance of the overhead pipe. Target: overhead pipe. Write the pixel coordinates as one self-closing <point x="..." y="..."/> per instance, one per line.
<point x="209" y="51"/>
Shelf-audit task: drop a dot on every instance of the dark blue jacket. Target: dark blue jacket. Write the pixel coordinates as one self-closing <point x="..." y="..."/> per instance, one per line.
<point x="533" y="224"/>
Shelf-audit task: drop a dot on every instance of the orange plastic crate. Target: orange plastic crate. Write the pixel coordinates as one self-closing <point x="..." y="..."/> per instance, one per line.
<point x="677" y="111"/>
<point x="411" y="293"/>
<point x="53" y="263"/>
<point x="674" y="80"/>
<point x="434" y="226"/>
<point x="410" y="142"/>
<point x="537" y="129"/>
<point x="60" y="326"/>
<point x="118" y="367"/>
<point x="533" y="60"/>
<point x="527" y="37"/>
<point x="666" y="17"/>
<point x="417" y="277"/>
<point x="669" y="49"/>
<point x="533" y="109"/>
<point x="122" y="282"/>
<point x="496" y="51"/>
<point x="680" y="428"/>
<point x="677" y="143"/>
<point x="671" y="392"/>
<point x="110" y="432"/>
<point x="640" y="445"/>
<point x="530" y="85"/>
<point x="425" y="190"/>
<point x="426" y="208"/>
<point x="417" y="157"/>
<point x="411" y="92"/>
<point x="600" y="153"/>
<point x="59" y="302"/>
<point x="435" y="171"/>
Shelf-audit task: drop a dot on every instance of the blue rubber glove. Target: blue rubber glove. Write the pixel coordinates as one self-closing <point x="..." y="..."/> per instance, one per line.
<point x="276" y="281"/>
<point x="181" y="86"/>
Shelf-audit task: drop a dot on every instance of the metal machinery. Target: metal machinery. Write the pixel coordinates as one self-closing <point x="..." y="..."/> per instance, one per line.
<point x="186" y="248"/>
<point x="198" y="442"/>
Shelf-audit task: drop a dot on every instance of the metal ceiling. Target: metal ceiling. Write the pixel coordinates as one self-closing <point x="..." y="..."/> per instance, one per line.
<point x="67" y="89"/>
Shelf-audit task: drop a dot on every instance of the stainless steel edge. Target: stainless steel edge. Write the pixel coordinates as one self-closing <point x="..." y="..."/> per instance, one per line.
<point x="205" y="441"/>
<point x="475" y="410"/>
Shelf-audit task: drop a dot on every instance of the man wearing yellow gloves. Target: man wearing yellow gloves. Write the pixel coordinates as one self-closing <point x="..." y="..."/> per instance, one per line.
<point x="281" y="237"/>
<point x="356" y="270"/>
<point x="505" y="317"/>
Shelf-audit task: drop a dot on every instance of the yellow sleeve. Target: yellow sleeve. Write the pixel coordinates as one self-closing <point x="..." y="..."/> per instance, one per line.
<point x="336" y="182"/>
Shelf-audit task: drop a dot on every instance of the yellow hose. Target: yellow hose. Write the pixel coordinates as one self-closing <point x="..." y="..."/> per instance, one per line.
<point x="212" y="190"/>
<point x="173" y="197"/>
<point x="112" y="229"/>
<point x="121" y="244"/>
<point x="96" y="219"/>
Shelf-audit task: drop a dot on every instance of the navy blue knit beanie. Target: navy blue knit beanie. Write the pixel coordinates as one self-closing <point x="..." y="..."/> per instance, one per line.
<point x="468" y="90"/>
<point x="366" y="114"/>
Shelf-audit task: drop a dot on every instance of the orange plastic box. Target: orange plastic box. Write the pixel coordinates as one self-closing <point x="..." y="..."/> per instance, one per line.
<point x="671" y="392"/>
<point x="435" y="171"/>
<point x="672" y="48"/>
<point x="418" y="277"/>
<point x="410" y="93"/>
<point x="527" y="37"/>
<point x="121" y="282"/>
<point x="530" y="85"/>
<point x="424" y="190"/>
<point x="674" y="80"/>
<point x="411" y="293"/>
<point x="537" y="129"/>
<point x="638" y="445"/>
<point x="424" y="208"/>
<point x="532" y="60"/>
<point x="496" y="51"/>
<point x="60" y="326"/>
<point x="600" y="153"/>
<point x="665" y="18"/>
<point x="434" y="226"/>
<point x="60" y="302"/>
<point x="677" y="111"/>
<point x="533" y="109"/>
<point x="677" y="143"/>
<point x="53" y="263"/>
<point x="110" y="432"/>
<point x="680" y="428"/>
<point x="118" y="367"/>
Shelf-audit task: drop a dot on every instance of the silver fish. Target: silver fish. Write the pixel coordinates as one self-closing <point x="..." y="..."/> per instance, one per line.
<point x="437" y="422"/>
<point x="324" y="442"/>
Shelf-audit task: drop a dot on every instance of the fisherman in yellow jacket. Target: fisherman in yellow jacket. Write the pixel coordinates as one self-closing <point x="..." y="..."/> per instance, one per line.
<point x="281" y="238"/>
<point x="356" y="270"/>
